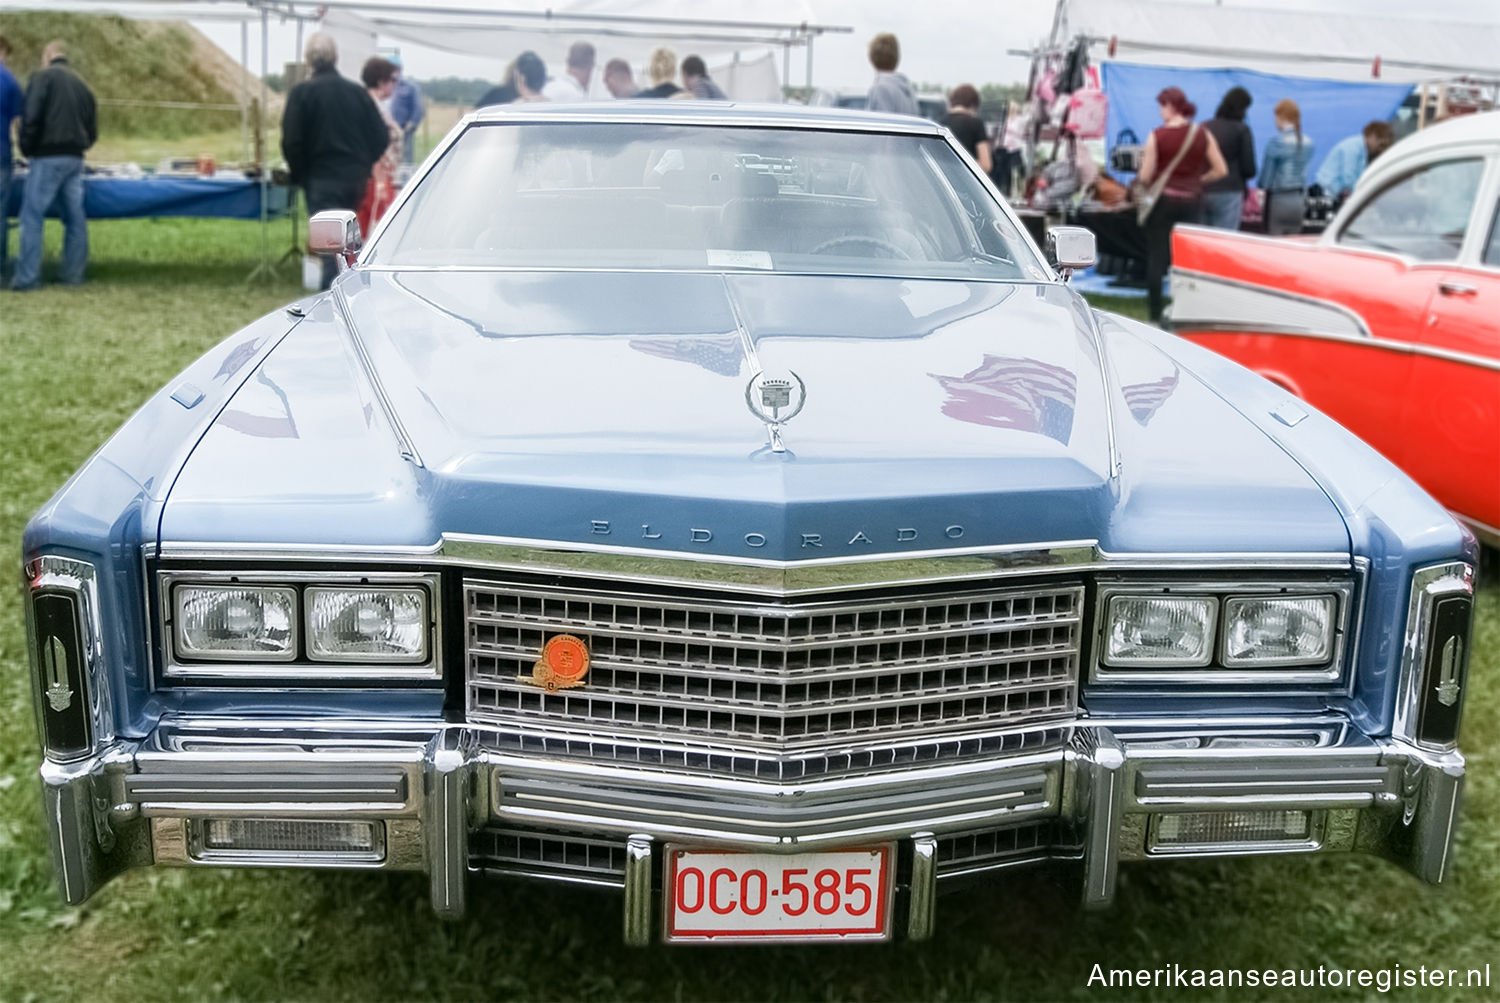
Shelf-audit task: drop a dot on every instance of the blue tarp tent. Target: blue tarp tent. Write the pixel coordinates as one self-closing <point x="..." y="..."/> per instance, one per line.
<point x="1331" y="109"/>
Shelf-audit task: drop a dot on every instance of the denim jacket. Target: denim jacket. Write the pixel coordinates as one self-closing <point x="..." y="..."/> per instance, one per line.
<point x="1284" y="164"/>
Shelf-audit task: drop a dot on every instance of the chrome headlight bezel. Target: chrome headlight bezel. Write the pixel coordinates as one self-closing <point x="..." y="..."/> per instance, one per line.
<point x="1328" y="673"/>
<point x="311" y="641"/>
<point x="303" y="670"/>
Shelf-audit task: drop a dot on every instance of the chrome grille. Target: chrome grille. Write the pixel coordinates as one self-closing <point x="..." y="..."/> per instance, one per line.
<point x="786" y="679"/>
<point x="965" y="853"/>
<point x="568" y="856"/>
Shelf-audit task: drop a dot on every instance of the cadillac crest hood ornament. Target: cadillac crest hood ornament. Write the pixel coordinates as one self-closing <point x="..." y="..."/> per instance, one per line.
<point x="775" y="398"/>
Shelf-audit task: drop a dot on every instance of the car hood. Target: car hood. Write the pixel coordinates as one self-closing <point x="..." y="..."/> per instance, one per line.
<point x="609" y="408"/>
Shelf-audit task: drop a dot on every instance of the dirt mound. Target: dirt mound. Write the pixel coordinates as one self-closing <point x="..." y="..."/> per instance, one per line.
<point x="137" y="68"/>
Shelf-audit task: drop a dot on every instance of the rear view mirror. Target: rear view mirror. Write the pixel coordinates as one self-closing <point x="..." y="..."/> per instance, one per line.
<point x="334" y="231"/>
<point x="1071" y="248"/>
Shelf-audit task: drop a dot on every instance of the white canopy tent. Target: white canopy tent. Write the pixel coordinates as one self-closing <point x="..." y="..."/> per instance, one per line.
<point x="742" y="50"/>
<point x="741" y="55"/>
<point x="1344" y="46"/>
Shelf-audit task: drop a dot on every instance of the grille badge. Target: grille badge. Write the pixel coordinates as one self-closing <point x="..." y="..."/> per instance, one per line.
<point x="564" y="663"/>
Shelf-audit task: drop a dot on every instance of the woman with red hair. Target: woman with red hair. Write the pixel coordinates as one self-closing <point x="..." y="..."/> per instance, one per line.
<point x="1180" y="157"/>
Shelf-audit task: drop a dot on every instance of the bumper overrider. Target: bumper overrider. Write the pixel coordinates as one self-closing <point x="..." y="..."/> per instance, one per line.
<point x="450" y="801"/>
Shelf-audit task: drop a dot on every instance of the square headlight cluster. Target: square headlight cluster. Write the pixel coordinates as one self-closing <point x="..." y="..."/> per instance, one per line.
<point x="1218" y="634"/>
<point x="294" y="628"/>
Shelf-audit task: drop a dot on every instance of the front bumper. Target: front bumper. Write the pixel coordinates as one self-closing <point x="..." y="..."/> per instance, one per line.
<point x="445" y="800"/>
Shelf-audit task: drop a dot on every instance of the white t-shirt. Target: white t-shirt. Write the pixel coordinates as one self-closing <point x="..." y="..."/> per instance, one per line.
<point x="564" y="88"/>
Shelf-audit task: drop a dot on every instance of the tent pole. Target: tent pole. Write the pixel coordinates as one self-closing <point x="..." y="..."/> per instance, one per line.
<point x="809" y="61"/>
<point x="245" y="88"/>
<point x="786" y="65"/>
<point x="264" y="269"/>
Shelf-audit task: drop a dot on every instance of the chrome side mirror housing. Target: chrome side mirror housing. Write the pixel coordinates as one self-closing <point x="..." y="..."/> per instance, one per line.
<point x="1071" y="248"/>
<point x="334" y="231"/>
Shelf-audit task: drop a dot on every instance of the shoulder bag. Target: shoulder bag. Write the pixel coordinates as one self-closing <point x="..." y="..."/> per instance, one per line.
<point x="1145" y="201"/>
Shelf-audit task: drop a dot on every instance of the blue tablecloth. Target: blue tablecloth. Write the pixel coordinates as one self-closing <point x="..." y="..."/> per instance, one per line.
<point x="121" y="198"/>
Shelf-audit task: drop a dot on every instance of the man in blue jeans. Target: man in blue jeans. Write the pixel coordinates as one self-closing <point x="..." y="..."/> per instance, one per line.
<point x="58" y="124"/>
<point x="11" y="102"/>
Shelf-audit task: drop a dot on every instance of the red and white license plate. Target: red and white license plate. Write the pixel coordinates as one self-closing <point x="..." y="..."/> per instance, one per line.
<point x="825" y="895"/>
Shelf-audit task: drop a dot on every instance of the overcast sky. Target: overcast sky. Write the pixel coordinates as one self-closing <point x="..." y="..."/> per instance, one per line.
<point x="942" y="41"/>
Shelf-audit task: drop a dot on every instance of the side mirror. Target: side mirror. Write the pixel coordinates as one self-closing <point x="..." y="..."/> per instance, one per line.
<point x="1071" y="248"/>
<point x="334" y="231"/>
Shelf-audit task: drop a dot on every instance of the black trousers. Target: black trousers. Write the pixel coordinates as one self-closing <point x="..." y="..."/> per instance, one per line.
<point x="1167" y="214"/>
<point x="333" y="193"/>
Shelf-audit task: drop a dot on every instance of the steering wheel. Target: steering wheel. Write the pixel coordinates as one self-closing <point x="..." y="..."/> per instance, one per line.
<point x="881" y="243"/>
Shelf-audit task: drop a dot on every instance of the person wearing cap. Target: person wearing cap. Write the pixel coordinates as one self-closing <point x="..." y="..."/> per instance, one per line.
<point x="406" y="110"/>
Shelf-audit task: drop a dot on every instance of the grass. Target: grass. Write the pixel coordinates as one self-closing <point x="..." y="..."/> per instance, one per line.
<point x="75" y="363"/>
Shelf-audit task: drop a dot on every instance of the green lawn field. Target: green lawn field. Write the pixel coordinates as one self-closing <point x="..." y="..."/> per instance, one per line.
<point x="75" y="363"/>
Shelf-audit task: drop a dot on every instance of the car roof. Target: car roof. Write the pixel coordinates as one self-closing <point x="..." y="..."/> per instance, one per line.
<point x="784" y="116"/>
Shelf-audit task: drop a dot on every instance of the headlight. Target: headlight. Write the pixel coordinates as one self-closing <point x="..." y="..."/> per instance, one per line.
<point x="1154" y="631"/>
<point x="1278" y="631"/>
<point x="236" y="622"/>
<point x="367" y="624"/>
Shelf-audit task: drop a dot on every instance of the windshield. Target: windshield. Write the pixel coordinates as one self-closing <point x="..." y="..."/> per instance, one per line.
<point x="632" y="195"/>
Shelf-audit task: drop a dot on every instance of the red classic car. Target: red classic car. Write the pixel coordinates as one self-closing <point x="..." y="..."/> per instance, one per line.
<point x="1389" y="322"/>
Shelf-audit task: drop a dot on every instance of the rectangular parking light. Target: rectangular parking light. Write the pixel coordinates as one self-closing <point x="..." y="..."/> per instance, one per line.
<point x="1228" y="828"/>
<point x="236" y="622"/>
<point x="367" y="624"/>
<point x="1278" y="630"/>
<point x="1156" y="631"/>
<point x="284" y="836"/>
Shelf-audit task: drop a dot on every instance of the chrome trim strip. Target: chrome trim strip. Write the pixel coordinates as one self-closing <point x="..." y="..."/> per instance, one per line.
<point x="1100" y="807"/>
<point x="639" y="898"/>
<point x="1384" y="344"/>
<point x="757" y="575"/>
<point x="80" y="579"/>
<point x="404" y="441"/>
<point x="1181" y="275"/>
<point x="1437" y="820"/>
<point x="837" y="121"/>
<point x="259" y="793"/>
<point x="684" y="270"/>
<point x="445" y="815"/>
<point x="1427" y="586"/>
<point x="1365" y="338"/>
<point x="763" y="576"/>
<point x="921" y="910"/>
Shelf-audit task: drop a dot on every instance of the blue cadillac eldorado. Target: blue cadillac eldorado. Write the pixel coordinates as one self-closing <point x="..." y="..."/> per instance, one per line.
<point x="732" y="506"/>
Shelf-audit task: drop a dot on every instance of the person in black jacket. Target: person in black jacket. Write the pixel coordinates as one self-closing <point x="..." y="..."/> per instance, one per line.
<point x="1224" y="199"/>
<point x="57" y="124"/>
<point x="331" y="135"/>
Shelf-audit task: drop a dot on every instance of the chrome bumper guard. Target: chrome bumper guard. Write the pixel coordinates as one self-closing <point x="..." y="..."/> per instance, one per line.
<point x="445" y="802"/>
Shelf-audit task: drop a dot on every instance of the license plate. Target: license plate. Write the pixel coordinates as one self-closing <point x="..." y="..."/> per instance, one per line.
<point x="825" y="895"/>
